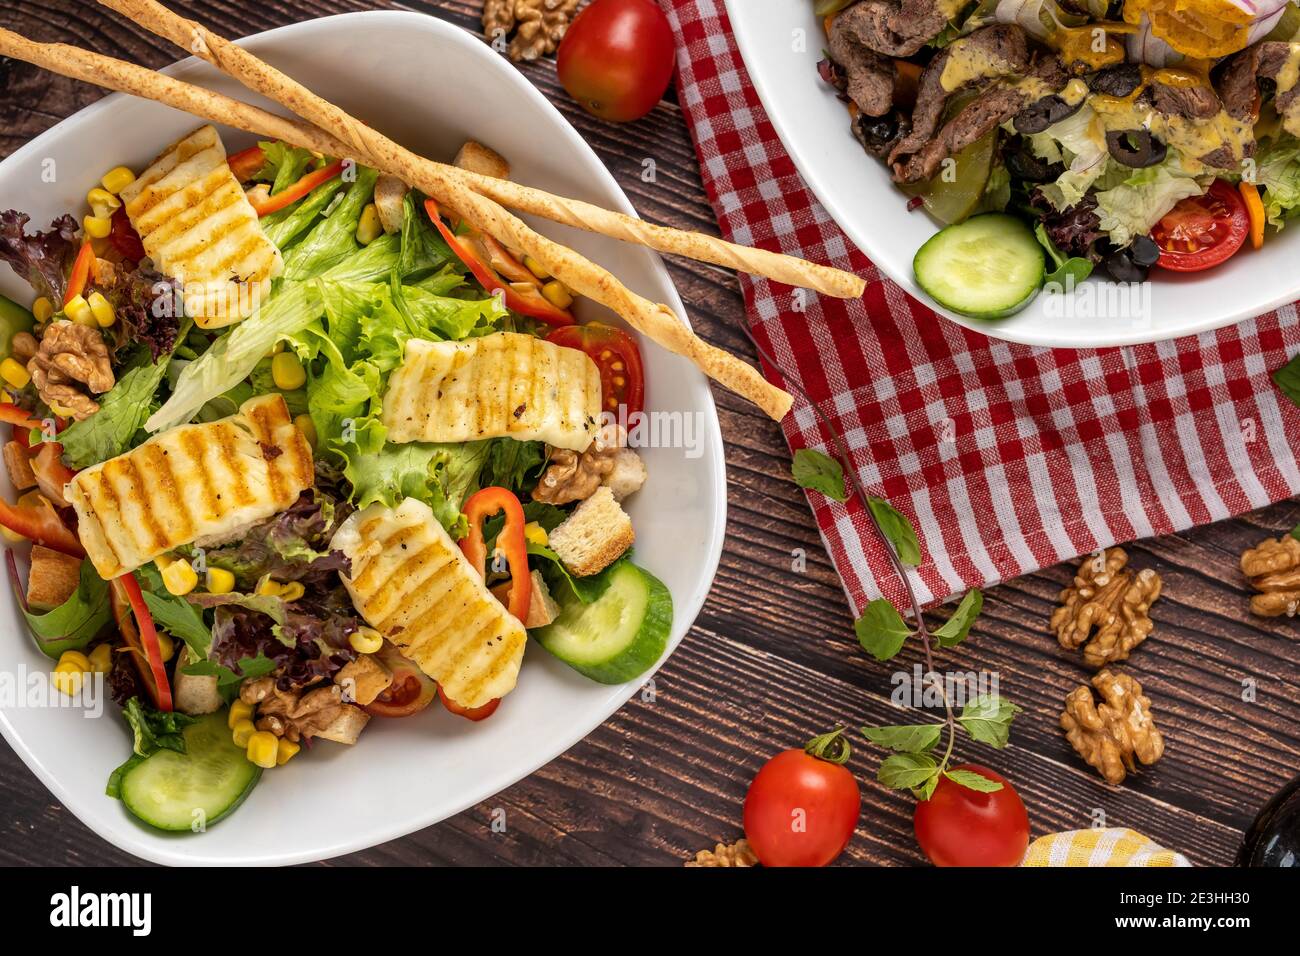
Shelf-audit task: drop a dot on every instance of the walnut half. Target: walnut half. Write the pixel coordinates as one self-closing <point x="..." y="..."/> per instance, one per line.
<point x="1107" y="606"/>
<point x="1111" y="734"/>
<point x="538" y="25"/>
<point x="70" y="365"/>
<point x="1273" y="567"/>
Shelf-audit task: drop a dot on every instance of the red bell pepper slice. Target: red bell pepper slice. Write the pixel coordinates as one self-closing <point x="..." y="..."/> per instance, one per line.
<point x="469" y="713"/>
<point x="246" y="163"/>
<point x="143" y="642"/>
<point x="41" y="524"/>
<point x="522" y="297"/>
<point x="482" y="505"/>
<point x="291" y="194"/>
<point x="80" y="276"/>
<point x="51" y="473"/>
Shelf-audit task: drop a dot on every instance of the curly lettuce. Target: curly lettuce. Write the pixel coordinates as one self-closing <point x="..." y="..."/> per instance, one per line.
<point x="1277" y="173"/>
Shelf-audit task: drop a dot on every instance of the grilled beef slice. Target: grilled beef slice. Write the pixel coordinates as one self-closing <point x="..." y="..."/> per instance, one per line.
<point x="894" y="29"/>
<point x="986" y="112"/>
<point x="1239" y="83"/>
<point x="869" y="76"/>
<point x="1002" y="46"/>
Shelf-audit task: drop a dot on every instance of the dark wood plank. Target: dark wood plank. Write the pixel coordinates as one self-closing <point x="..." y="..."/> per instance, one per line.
<point x="772" y="658"/>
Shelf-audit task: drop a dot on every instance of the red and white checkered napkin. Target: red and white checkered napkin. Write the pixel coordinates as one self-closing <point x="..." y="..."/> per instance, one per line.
<point x="1007" y="458"/>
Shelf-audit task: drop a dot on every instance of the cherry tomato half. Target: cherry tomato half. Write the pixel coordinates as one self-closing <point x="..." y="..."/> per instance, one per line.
<point x="410" y="692"/>
<point x="959" y="826"/>
<point x="622" y="377"/>
<point x="616" y="59"/>
<point x="481" y="712"/>
<point x="1202" y="231"/>
<point x="801" y="811"/>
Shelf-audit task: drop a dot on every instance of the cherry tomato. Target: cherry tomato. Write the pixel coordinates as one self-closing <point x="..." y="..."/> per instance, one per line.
<point x="801" y="810"/>
<point x="1202" y="231"/>
<point x="410" y="692"/>
<point x="247" y="163"/>
<point x="617" y="58"/>
<point x="481" y="712"/>
<point x="622" y="378"/>
<point x="959" y="826"/>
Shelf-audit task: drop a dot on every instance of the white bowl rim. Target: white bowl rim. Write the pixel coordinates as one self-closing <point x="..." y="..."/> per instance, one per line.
<point x="686" y="607"/>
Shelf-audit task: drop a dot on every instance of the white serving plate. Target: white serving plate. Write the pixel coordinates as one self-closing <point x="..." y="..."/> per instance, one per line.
<point x="857" y="192"/>
<point x="429" y="85"/>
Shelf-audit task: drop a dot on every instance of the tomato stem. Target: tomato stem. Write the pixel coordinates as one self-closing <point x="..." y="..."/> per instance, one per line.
<point x="832" y="747"/>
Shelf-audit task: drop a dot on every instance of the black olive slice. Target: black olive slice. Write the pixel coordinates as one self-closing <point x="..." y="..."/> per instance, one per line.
<point x="1135" y="148"/>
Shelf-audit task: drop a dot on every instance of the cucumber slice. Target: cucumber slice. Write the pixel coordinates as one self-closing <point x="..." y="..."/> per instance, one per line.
<point x="618" y="636"/>
<point x="987" y="267"/>
<point x="167" y="790"/>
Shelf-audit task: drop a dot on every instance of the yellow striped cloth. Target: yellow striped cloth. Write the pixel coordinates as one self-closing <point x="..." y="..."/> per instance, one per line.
<point x="1116" y="846"/>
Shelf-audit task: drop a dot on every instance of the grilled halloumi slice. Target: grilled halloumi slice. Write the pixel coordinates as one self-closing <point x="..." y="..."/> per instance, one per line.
<point x="199" y="228"/>
<point x="411" y="583"/>
<point x="500" y="385"/>
<point x="193" y="483"/>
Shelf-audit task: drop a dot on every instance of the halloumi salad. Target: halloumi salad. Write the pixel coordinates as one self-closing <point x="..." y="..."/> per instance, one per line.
<point x="294" y="449"/>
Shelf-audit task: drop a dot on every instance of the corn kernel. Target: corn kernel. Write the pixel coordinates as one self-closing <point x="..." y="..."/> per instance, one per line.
<point x="284" y="751"/>
<point x="287" y="372"/>
<point x="369" y="228"/>
<point x="263" y="749"/>
<point x="308" y="429"/>
<point x="103" y="203"/>
<point x="557" y="294"/>
<point x="78" y="310"/>
<point x="239" y="710"/>
<point x="220" y="581"/>
<point x="166" y="646"/>
<point x="293" y="591"/>
<point x="536" y="268"/>
<point x="366" y="640"/>
<point x="117" y="179"/>
<point x="101" y="658"/>
<point x="75" y="660"/>
<point x="179" y="578"/>
<point x="242" y="732"/>
<point x="34" y="499"/>
<point x="535" y="533"/>
<point x="100" y="246"/>
<point x="14" y="372"/>
<point x="102" y="310"/>
<point x="67" y="678"/>
<point x="97" y="228"/>
<point x="42" y="309"/>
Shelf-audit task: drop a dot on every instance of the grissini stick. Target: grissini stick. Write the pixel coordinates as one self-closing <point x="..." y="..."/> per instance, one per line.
<point x="655" y="321"/>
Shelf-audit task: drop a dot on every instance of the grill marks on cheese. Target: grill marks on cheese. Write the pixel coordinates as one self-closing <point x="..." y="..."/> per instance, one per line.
<point x="500" y="385"/>
<point x="199" y="227"/>
<point x="411" y="583"/>
<point x="191" y="483"/>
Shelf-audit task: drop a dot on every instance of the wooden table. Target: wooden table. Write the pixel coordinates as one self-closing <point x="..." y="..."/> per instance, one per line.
<point x="772" y="658"/>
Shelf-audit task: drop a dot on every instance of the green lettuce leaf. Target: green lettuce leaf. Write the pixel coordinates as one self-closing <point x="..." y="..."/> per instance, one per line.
<point x="74" y="623"/>
<point x="1277" y="173"/>
<point x="1078" y="141"/>
<point x="122" y="412"/>
<point x="335" y="239"/>
<point x="1132" y="207"/>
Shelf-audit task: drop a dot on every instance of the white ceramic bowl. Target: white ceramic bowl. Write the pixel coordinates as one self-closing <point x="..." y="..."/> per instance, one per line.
<point x="430" y="85"/>
<point x="781" y="42"/>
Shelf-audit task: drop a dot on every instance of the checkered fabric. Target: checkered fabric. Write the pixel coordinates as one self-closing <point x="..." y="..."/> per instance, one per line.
<point x="1007" y="458"/>
<point x="1112" y="847"/>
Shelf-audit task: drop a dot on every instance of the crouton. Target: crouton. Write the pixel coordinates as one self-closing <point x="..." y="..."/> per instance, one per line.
<point x="53" y="579"/>
<point x="364" y="679"/>
<point x="194" y="694"/>
<point x="594" y="536"/>
<point x="542" y="609"/>
<point x="390" y="202"/>
<point x="346" y="727"/>
<point x="477" y="158"/>
<point x="19" y="466"/>
<point x="628" y="476"/>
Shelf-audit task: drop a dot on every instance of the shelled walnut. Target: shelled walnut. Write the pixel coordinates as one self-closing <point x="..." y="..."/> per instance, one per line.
<point x="70" y="365"/>
<point x="1107" y="606"/>
<point x="314" y="712"/>
<point x="1111" y="734"/>
<point x="1273" y="567"/>
<point x="739" y="853"/>
<point x="538" y="25"/>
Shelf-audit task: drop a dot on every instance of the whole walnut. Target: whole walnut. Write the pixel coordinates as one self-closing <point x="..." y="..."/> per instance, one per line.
<point x="70" y="365"/>
<point x="1273" y="567"/>
<point x="1110" y="735"/>
<point x="1107" y="608"/>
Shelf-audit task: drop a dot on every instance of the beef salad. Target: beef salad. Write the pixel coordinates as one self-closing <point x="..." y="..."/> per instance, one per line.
<point x="1052" y="138"/>
<point x="293" y="451"/>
